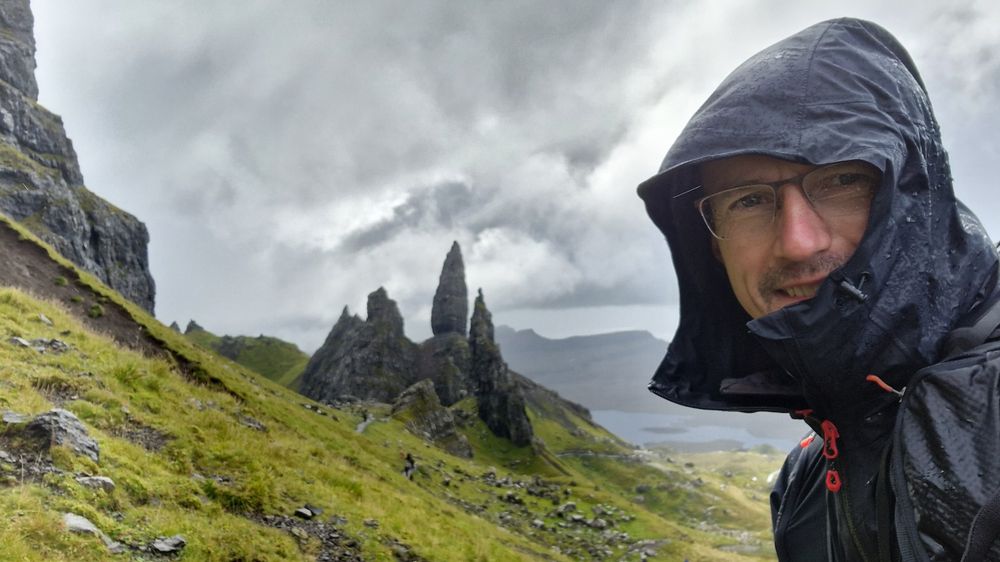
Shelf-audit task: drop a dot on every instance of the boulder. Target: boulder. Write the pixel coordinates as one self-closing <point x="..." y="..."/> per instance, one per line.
<point x="79" y="524"/>
<point x="97" y="483"/>
<point x="422" y="414"/>
<point x="168" y="545"/>
<point x="450" y="307"/>
<point x="56" y="427"/>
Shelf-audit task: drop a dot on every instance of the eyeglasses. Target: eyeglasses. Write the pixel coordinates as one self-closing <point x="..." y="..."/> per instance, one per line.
<point x="835" y="190"/>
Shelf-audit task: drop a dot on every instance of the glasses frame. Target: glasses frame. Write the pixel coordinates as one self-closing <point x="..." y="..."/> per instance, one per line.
<point x="775" y="186"/>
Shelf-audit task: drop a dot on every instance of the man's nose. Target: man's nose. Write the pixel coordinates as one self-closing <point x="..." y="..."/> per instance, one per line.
<point x="801" y="232"/>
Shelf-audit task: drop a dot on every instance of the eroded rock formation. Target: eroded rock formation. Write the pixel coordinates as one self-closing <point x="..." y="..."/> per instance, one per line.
<point x="422" y="414"/>
<point x="445" y="360"/>
<point x="373" y="360"/>
<point x="40" y="180"/>
<point x="365" y="359"/>
<point x="499" y="398"/>
<point x="451" y="300"/>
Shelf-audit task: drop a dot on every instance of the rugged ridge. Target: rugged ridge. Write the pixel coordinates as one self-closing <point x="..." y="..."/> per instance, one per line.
<point x="364" y="359"/>
<point x="451" y="300"/>
<point x="40" y="180"/>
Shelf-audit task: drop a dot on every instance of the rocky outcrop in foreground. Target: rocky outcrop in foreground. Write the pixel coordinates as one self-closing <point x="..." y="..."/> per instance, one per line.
<point x="422" y="414"/>
<point x="40" y="180"/>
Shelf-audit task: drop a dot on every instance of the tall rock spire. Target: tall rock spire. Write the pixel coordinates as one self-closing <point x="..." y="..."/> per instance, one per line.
<point x="451" y="300"/>
<point x="500" y="400"/>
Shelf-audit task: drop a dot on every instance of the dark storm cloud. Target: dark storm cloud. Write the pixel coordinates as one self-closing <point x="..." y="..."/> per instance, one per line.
<point x="437" y="206"/>
<point x="293" y="157"/>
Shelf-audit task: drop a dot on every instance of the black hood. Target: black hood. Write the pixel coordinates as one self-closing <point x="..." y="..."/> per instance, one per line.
<point x="839" y="90"/>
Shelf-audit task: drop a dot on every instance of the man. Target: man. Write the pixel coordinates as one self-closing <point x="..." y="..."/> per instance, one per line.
<point x="810" y="215"/>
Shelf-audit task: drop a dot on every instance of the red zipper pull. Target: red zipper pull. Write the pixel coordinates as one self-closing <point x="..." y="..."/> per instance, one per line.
<point x="830" y="452"/>
<point x="833" y="480"/>
<point x="830" y="435"/>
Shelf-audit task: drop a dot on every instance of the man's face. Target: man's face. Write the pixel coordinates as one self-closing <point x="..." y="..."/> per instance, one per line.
<point x="786" y="263"/>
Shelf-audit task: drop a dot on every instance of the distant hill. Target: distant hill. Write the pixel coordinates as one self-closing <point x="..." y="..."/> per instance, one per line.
<point x="602" y="372"/>
<point x="608" y="374"/>
<point x="274" y="358"/>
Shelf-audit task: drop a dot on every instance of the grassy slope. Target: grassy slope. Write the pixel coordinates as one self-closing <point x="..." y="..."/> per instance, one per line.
<point x="213" y="469"/>
<point x="276" y="359"/>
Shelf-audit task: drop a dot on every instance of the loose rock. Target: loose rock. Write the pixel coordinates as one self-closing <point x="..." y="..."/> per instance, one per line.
<point x="166" y="545"/>
<point x="97" y="482"/>
<point x="56" y="427"/>
<point x="78" y="524"/>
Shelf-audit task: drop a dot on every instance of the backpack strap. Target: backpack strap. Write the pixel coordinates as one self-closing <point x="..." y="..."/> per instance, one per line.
<point x="981" y="330"/>
<point x="984" y="531"/>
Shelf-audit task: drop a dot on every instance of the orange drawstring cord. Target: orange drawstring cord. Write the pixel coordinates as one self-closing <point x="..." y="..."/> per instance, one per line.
<point x="882" y="384"/>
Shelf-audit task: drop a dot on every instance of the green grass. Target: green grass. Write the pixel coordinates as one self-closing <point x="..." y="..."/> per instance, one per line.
<point x="199" y="470"/>
<point x="277" y="360"/>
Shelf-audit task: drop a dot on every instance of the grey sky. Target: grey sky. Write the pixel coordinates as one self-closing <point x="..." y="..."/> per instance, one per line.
<point x="289" y="158"/>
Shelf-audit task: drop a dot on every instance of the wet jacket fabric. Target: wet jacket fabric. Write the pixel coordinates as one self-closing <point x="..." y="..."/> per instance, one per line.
<point x="839" y="90"/>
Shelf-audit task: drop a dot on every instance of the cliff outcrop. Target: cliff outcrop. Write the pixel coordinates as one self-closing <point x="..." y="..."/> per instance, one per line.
<point x="365" y="359"/>
<point x="422" y="414"/>
<point x="445" y="360"/>
<point x="40" y="180"/>
<point x="499" y="398"/>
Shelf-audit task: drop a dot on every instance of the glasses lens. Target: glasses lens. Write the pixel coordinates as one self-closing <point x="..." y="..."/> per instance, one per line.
<point x="841" y="189"/>
<point x="739" y="212"/>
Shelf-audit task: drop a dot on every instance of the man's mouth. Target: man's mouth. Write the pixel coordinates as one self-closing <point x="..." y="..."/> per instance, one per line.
<point x="800" y="291"/>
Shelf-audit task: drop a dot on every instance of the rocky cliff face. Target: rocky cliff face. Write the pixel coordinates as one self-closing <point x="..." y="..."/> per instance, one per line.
<point x="366" y="359"/>
<point x="500" y="400"/>
<point x="445" y="360"/>
<point x="40" y="180"/>
<point x="451" y="300"/>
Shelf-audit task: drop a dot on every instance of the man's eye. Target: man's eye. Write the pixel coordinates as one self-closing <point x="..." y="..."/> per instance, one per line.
<point x="750" y="202"/>
<point x="850" y="179"/>
<point x="836" y="185"/>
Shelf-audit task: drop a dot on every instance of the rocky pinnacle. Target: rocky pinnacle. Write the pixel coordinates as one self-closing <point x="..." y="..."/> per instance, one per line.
<point x="451" y="300"/>
<point x="500" y="400"/>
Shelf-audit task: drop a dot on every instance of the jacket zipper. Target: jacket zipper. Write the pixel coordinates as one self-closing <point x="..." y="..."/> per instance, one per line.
<point x="834" y="483"/>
